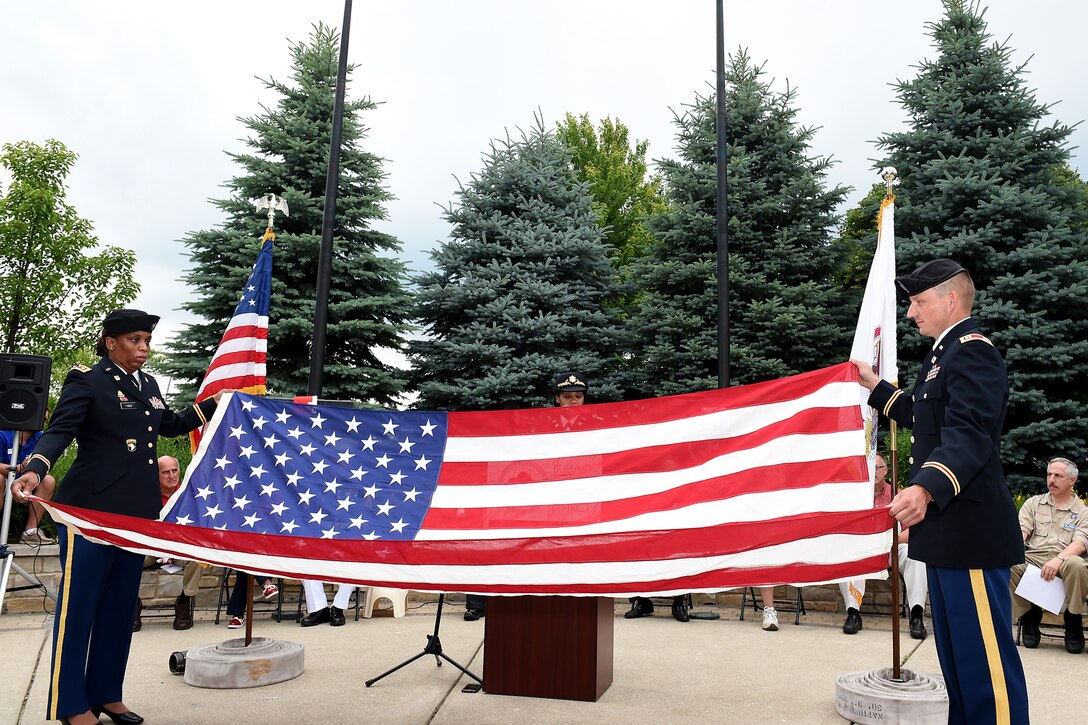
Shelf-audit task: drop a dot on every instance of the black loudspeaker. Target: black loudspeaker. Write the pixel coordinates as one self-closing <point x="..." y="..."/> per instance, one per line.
<point x="24" y="391"/>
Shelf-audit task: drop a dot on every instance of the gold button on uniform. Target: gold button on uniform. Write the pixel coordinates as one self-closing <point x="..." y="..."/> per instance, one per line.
<point x="150" y="462"/>
<point x="911" y="438"/>
<point x="150" y="445"/>
<point x="149" y="430"/>
<point x="147" y="412"/>
<point x="911" y="460"/>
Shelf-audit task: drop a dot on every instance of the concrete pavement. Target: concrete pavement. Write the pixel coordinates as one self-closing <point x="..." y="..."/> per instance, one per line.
<point x="665" y="672"/>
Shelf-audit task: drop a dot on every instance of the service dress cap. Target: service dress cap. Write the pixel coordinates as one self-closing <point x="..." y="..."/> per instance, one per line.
<point x="928" y="275"/>
<point x="119" y="322"/>
<point x="570" y="383"/>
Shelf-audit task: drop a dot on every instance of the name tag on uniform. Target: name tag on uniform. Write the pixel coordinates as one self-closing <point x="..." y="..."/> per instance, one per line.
<point x="933" y="372"/>
<point x="129" y="405"/>
<point x="156" y="403"/>
<point x="1070" y="526"/>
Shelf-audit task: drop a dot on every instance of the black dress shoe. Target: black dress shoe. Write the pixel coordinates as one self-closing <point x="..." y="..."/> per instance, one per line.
<point x="640" y="607"/>
<point x="917" y="626"/>
<point x="121" y="718"/>
<point x="321" y="616"/>
<point x="471" y="615"/>
<point x="852" y="625"/>
<point x="1074" y="633"/>
<point x="680" y="609"/>
<point x="336" y="617"/>
<point x="1029" y="624"/>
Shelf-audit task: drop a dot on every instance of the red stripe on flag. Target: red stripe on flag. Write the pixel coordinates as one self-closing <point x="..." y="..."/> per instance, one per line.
<point x="646" y="460"/>
<point x="628" y="546"/>
<point x="604" y="416"/>
<point x="240" y="356"/>
<point x="245" y="331"/>
<point x="713" y="580"/>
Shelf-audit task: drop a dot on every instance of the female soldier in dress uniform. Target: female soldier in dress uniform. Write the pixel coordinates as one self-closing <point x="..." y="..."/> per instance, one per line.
<point x="116" y="413"/>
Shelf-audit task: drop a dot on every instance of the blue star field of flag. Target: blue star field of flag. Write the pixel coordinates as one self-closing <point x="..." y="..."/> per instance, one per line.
<point x="327" y="472"/>
<point x="257" y="295"/>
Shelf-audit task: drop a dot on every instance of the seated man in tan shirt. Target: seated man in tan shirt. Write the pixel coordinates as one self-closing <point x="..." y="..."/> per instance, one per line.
<point x="1055" y="527"/>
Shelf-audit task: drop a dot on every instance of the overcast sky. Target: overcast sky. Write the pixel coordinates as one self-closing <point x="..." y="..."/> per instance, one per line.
<point x="148" y="94"/>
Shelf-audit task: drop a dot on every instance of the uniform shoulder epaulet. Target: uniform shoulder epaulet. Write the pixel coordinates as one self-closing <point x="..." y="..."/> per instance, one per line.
<point x="81" y="368"/>
<point x="975" y="336"/>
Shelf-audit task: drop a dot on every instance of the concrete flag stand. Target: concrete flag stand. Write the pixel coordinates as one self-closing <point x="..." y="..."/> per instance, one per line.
<point x="917" y="698"/>
<point x="245" y="662"/>
<point x="232" y="665"/>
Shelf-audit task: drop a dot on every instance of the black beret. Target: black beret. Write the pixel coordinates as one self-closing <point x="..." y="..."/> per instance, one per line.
<point x="119" y="322"/>
<point x="927" y="275"/>
<point x="570" y="383"/>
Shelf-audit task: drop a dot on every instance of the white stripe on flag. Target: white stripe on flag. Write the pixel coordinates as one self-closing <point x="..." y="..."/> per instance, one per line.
<point x="785" y="449"/>
<point x="828" y="549"/>
<point x="746" y="507"/>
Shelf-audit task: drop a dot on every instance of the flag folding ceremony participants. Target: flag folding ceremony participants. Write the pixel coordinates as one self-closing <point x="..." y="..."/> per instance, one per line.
<point x="755" y="485"/>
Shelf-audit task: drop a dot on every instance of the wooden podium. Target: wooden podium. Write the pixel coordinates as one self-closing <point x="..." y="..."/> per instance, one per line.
<point x="551" y="646"/>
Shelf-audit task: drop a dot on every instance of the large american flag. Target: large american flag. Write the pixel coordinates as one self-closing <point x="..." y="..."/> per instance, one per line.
<point x="240" y="361"/>
<point x="755" y="485"/>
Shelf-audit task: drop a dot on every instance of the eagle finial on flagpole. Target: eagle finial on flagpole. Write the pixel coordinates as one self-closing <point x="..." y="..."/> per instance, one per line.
<point x="273" y="203"/>
<point x="891" y="178"/>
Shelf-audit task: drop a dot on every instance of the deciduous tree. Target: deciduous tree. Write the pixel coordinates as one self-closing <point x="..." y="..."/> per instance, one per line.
<point x="57" y="284"/>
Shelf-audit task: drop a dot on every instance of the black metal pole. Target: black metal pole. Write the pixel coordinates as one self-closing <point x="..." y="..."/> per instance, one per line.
<point x="723" y="213"/>
<point x="332" y="179"/>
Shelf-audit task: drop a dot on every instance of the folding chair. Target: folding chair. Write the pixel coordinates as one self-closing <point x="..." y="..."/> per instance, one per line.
<point x="787" y="605"/>
<point x="224" y="597"/>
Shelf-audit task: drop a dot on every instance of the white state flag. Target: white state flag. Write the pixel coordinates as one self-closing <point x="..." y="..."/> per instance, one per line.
<point x="874" y="337"/>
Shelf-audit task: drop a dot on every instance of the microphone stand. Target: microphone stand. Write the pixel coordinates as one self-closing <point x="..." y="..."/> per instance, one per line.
<point x="5" y="551"/>
<point x="434" y="647"/>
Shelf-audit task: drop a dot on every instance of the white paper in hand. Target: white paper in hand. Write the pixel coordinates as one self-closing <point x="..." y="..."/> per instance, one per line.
<point x="1050" y="595"/>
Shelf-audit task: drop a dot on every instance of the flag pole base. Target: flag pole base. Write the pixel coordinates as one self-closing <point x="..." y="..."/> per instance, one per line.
<point x="232" y="665"/>
<point x="876" y="697"/>
<point x="706" y="616"/>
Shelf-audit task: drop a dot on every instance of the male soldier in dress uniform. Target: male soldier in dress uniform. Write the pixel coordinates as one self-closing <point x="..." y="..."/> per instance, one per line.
<point x="962" y="517"/>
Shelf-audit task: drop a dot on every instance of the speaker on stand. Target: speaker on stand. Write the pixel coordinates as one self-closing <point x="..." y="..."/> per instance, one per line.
<point x="24" y="391"/>
<point x="24" y="396"/>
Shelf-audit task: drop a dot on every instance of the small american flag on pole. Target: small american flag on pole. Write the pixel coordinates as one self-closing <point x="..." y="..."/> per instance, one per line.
<point x="240" y="361"/>
<point x="755" y="485"/>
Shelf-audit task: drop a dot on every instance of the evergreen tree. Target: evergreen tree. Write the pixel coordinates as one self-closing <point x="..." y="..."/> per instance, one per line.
<point x="784" y="315"/>
<point x="985" y="182"/>
<point x="856" y="244"/>
<point x="367" y="306"/>
<point x="519" y="291"/>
